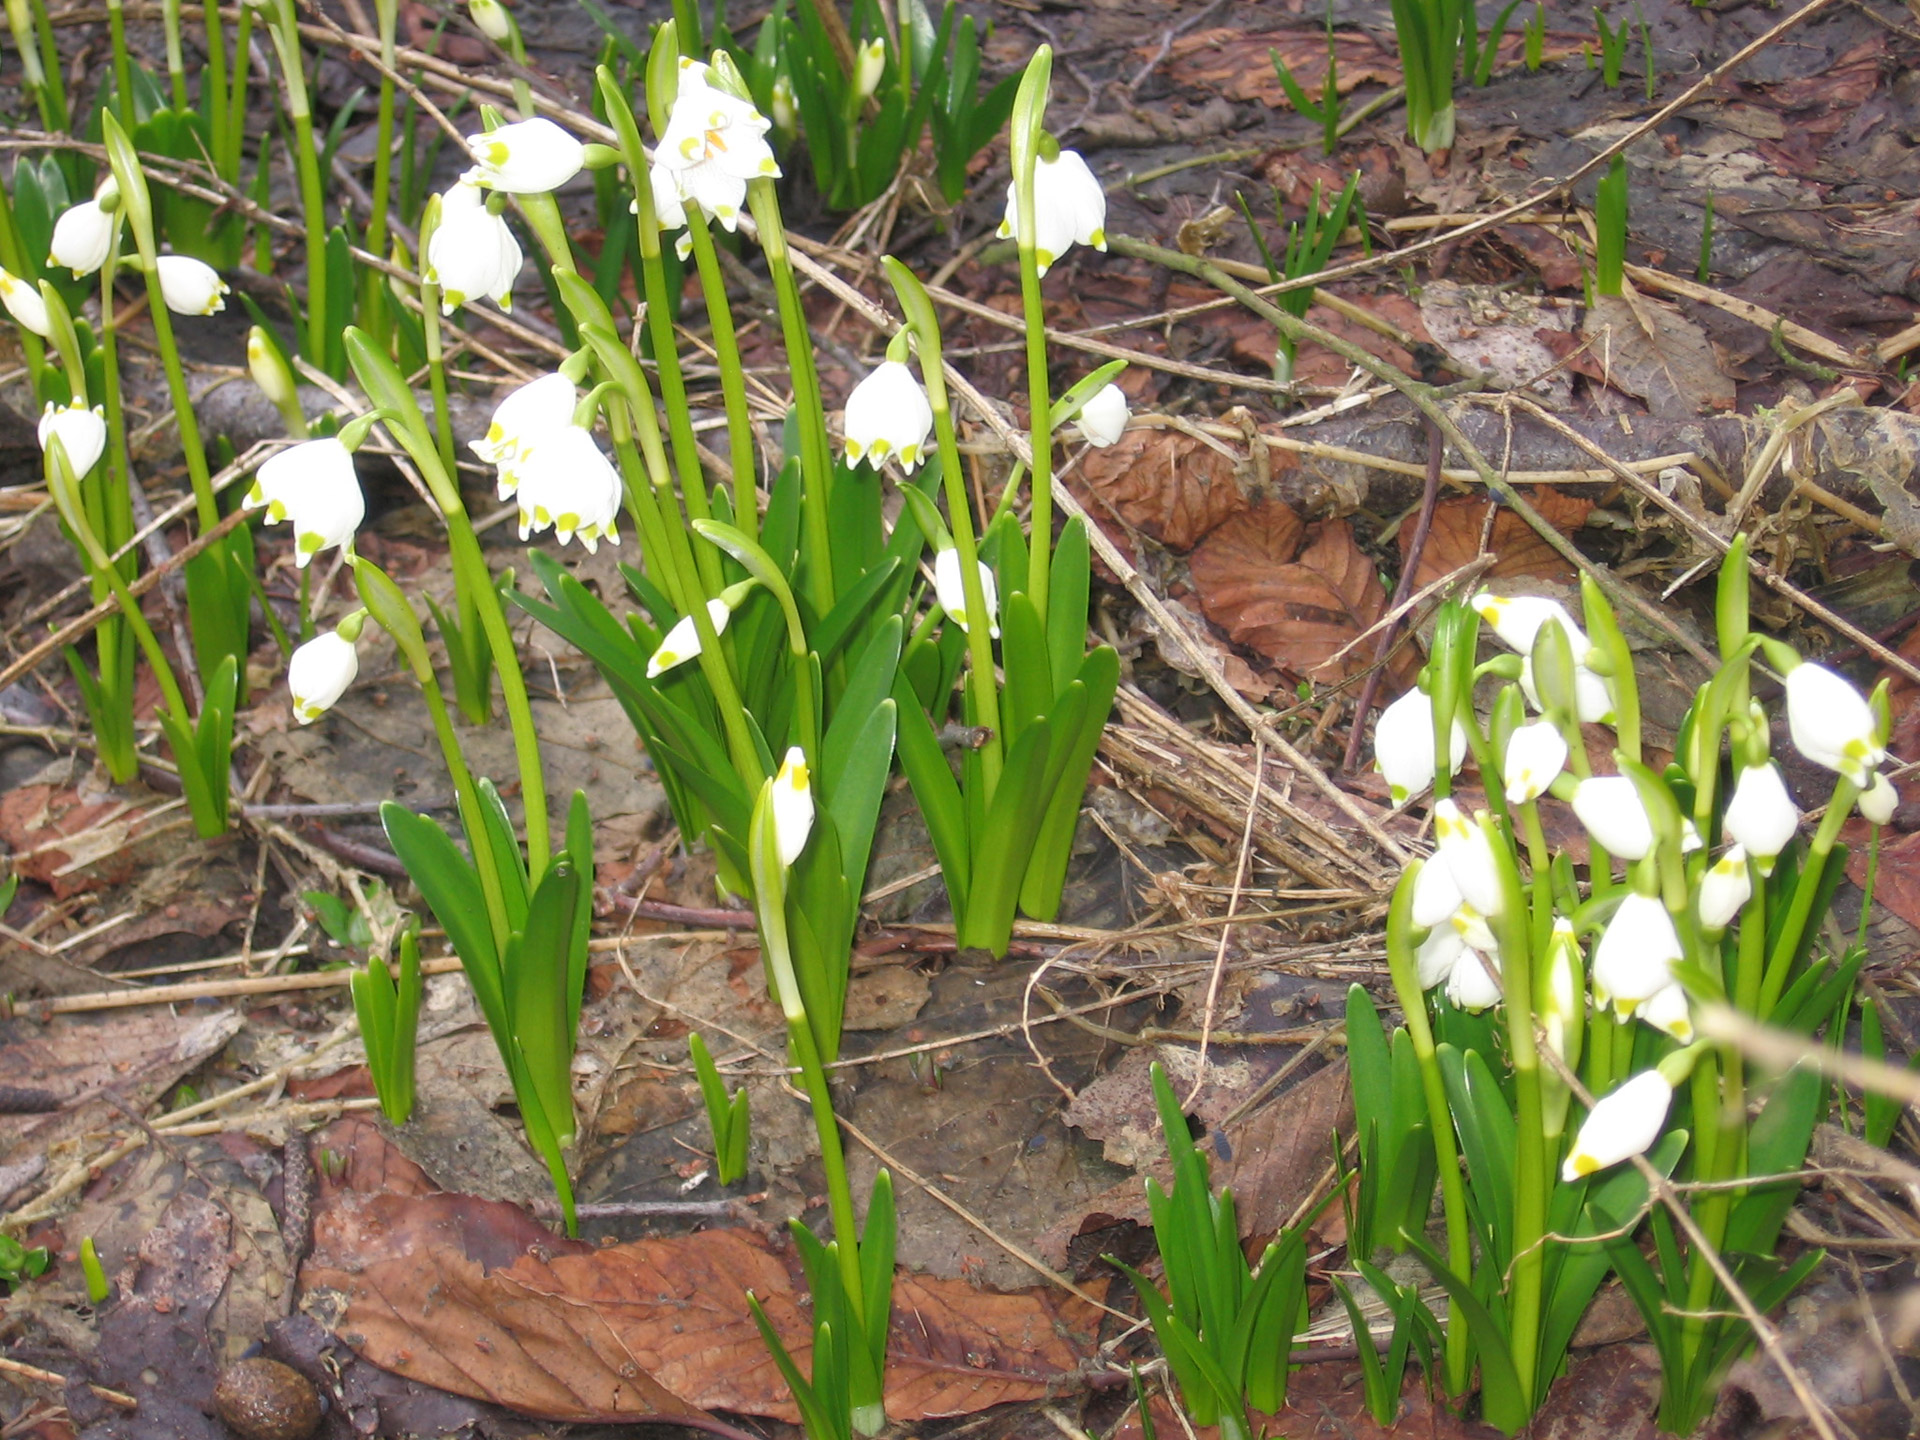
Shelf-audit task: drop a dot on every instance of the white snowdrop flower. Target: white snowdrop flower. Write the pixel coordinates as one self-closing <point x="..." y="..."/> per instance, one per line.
<point x="792" y="806"/>
<point x="1625" y="1123"/>
<point x="1536" y="754"/>
<point x="312" y="486"/>
<point x="319" y="674"/>
<point x="1471" y="926"/>
<point x="1517" y="619"/>
<point x="82" y="434"/>
<point x="1471" y="984"/>
<point x="190" y="286"/>
<point x="472" y="254"/>
<point x="1103" y="419"/>
<point x="528" y="157"/>
<point x="888" y="415"/>
<point x="950" y="590"/>
<point x="714" y="144"/>
<point x="1724" y="889"/>
<point x="1760" y="814"/>
<point x="1668" y="1009"/>
<point x="25" y="304"/>
<point x="526" y="414"/>
<point x="491" y="19"/>
<point x="567" y="482"/>
<point x="1403" y="746"/>
<point x="1069" y="208"/>
<point x="1437" y="954"/>
<point x="1831" y="723"/>
<point x="1634" y="960"/>
<point x="1435" y="896"/>
<point x="1609" y="806"/>
<point x="870" y="63"/>
<point x="1879" y="800"/>
<point x="682" y="642"/>
<point x="1468" y="852"/>
<point x="82" y="236"/>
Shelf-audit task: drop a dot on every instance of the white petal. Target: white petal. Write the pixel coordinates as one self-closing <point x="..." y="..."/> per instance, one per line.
<point x="1831" y="723"/>
<point x="82" y="433"/>
<point x="792" y="806"/>
<point x="319" y="674"/>
<point x="1609" y="806"/>
<point x="528" y="157"/>
<point x="1634" y="960"/>
<point x="1536" y="754"/>
<point x="1103" y="419"/>
<point x="1625" y="1123"/>
<point x="190" y="286"/>
<point x="1724" y="889"/>
<point x="1760" y="814"/>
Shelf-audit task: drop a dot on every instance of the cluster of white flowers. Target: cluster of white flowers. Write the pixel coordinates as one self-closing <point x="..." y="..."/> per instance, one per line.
<point x="472" y="254"/>
<point x="561" y="477"/>
<point x="715" y="142"/>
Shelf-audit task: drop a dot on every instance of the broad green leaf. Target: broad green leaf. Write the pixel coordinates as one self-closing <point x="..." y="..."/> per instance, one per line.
<point x="941" y="806"/>
<point x="1053" y="847"/>
<point x="535" y="989"/>
<point x="452" y="892"/>
<point x="1069" y="582"/>
<point x="1028" y="693"/>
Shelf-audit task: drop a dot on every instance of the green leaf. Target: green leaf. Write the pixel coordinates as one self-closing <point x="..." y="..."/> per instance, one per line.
<point x="509" y="864"/>
<point x="1023" y="652"/>
<point x="1067" y="604"/>
<point x="580" y="851"/>
<point x="1776" y="1145"/>
<point x="1502" y="1402"/>
<point x="1099" y="679"/>
<point x="877" y="1236"/>
<point x="938" y="794"/>
<point x="1003" y="844"/>
<point x="452" y="891"/>
<point x="535" y="991"/>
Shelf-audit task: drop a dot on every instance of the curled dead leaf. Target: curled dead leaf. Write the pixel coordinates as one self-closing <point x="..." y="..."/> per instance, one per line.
<point x="1459" y="521"/>
<point x="1171" y="487"/>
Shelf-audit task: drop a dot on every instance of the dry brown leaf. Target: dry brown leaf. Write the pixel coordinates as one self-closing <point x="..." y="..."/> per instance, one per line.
<point x="1301" y="614"/>
<point x="1648" y="348"/>
<point x="1459" y="521"/>
<point x="1170" y="487"/>
<point x="1497" y="332"/>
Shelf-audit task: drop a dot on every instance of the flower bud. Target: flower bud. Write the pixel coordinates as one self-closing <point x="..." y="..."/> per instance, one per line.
<point x="490" y="17"/>
<point x="1609" y="806"/>
<point x="1103" y="419"/>
<point x="270" y="371"/>
<point x="1403" y="746"/>
<point x="682" y="642"/>
<point x="870" y="63"/>
<point x="792" y="806"/>
<point x="1517" y="619"/>
<point x="1536" y="754"/>
<point x="1760" y="814"/>
<point x="25" y="304"/>
<point x="82" y="434"/>
<point x="1625" y="1123"/>
<point x="1831" y="723"/>
<point x="1562" y="1002"/>
<point x="888" y="414"/>
<point x="785" y="115"/>
<point x="1724" y="890"/>
<point x="1634" y="960"/>
<point x="319" y="674"/>
<point x="1879" y="800"/>
<point x="190" y="286"/>
<point x="951" y="591"/>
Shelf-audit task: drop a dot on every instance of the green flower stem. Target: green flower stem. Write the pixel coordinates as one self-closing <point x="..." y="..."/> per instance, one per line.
<point x="472" y="817"/>
<point x="733" y="378"/>
<point x="115" y="525"/>
<point x="1801" y="906"/>
<point x="176" y="59"/>
<point x="431" y="335"/>
<point x="1531" y="1162"/>
<point x="816" y="458"/>
<point x="285" y="31"/>
<point x="206" y="511"/>
<point x="237" y="95"/>
<point x="387" y="14"/>
<point x="122" y="65"/>
<point x="1039" y="401"/>
<point x="1540" y="862"/>
<point x="213" y="88"/>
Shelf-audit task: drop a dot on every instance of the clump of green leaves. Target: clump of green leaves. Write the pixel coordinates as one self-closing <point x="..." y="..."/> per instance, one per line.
<point x="387" y="1004"/>
<point x="1310" y="244"/>
<point x="1536" y="36"/>
<point x="19" y="1264"/>
<point x="1613" y="49"/>
<point x="1415" y="1332"/>
<point x="727" y="1116"/>
<point x="1326" y="114"/>
<point x="1436" y="39"/>
<point x="1610" y="229"/>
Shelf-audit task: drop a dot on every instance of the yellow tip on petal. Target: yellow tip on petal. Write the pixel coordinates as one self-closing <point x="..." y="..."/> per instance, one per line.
<point x="1583" y="1164"/>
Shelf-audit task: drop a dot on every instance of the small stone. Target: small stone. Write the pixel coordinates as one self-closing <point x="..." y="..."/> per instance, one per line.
<point x="261" y="1399"/>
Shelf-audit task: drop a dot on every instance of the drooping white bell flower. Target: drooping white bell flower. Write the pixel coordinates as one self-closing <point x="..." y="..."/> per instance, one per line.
<point x="1879" y="800"/>
<point x="567" y="482"/>
<point x="82" y="434"/>
<point x="528" y="157"/>
<point x="1435" y="896"/>
<point x="1724" y="889"/>
<point x="82" y="236"/>
<point x="1536" y="754"/>
<point x="1103" y="419"/>
<point x="1609" y="806"/>
<point x="888" y="415"/>
<point x="1634" y="960"/>
<point x="25" y="304"/>
<point x="1437" y="955"/>
<point x="1831" y="723"/>
<point x="319" y="674"/>
<point x="792" y="806"/>
<point x="190" y="286"/>
<point x="715" y="142"/>
<point x="1625" y="1123"/>
<point x="472" y="253"/>
<point x="1069" y="208"/>
<point x="1471" y="984"/>
<point x="312" y="486"/>
<point x="682" y="642"/>
<point x="1403" y="746"/>
<point x="1760" y="814"/>
<point x="950" y="590"/>
<point x="1517" y="619"/>
<point x="1669" y="1010"/>
<point x="1468" y="852"/>
<point x="527" y="413"/>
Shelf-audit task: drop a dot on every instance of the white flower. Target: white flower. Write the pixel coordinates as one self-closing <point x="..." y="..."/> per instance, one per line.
<point x="1761" y="815"/>
<point x="715" y="143"/>
<point x="472" y="253"/>
<point x="1517" y="619"/>
<point x="888" y="414"/>
<point x="1471" y="926"/>
<point x="1724" y="889"/>
<point x="567" y="482"/>
<point x="190" y="286"/>
<point x="682" y="642"/>
<point x="491" y="19"/>
<point x="1471" y="984"/>
<point x="1625" y="1123"/>
<point x="1103" y="419"/>
<point x="1634" y="960"/>
<point x="23" y="301"/>
<point x="319" y="674"/>
<point x="1536" y="754"/>
<point x="1069" y="208"/>
<point x="951" y="592"/>
<point x="669" y="211"/>
<point x="1609" y="806"/>
<point x="792" y="806"/>
<point x="528" y="412"/>
<point x="1403" y="746"/>
<point x="1879" y="800"/>
<point x="269" y="371"/>
<point x="1668" y="1010"/>
<point x="1468" y="852"/>
<point x="1592" y="701"/>
<point x="312" y="485"/>
<point x="82" y="236"/>
<point x="82" y="434"/>
<point x="1831" y="724"/>
<point x="870" y="63"/>
<point x="1435" y="896"/>
<point x="528" y="157"/>
<point x="1438" y="954"/>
